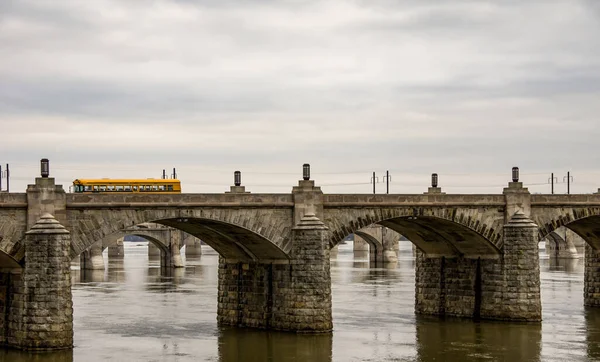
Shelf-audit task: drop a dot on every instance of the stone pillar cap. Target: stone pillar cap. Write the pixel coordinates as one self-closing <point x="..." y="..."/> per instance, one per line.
<point x="310" y="221"/>
<point x="47" y="224"/>
<point x="520" y="219"/>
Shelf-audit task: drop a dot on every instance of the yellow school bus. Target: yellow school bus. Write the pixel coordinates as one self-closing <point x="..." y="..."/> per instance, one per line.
<point x="105" y="185"/>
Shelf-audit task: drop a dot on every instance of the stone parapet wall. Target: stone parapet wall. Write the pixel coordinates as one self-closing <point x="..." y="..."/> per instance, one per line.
<point x="591" y="286"/>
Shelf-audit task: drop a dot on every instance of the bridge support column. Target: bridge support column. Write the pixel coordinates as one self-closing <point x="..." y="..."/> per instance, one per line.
<point x="92" y="258"/>
<point x="446" y="286"/>
<point x="175" y="248"/>
<point x="360" y="247"/>
<point x="591" y="289"/>
<point x="153" y="250"/>
<point x="193" y="247"/>
<point x="507" y="288"/>
<point x="302" y="294"/>
<point x="40" y="315"/>
<point x="511" y="286"/>
<point x="290" y="295"/>
<point x="116" y="251"/>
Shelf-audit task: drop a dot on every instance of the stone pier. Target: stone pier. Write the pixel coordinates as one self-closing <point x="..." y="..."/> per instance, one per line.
<point x="153" y="250"/>
<point x="380" y="242"/>
<point x="591" y="287"/>
<point x="193" y="246"/>
<point x="39" y="312"/>
<point x="116" y="251"/>
<point x="506" y="289"/>
<point x="360" y="248"/>
<point x="92" y="258"/>
<point x="289" y="295"/>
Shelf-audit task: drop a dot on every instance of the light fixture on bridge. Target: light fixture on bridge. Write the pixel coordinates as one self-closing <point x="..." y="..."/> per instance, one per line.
<point x="237" y="178"/>
<point x="515" y="174"/>
<point x="45" y="167"/>
<point x="306" y="171"/>
<point x="434" y="180"/>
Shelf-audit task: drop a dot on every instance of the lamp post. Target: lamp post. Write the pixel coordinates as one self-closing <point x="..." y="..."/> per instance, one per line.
<point x="237" y="178"/>
<point x="306" y="172"/>
<point x="434" y="180"/>
<point x="45" y="167"/>
<point x="515" y="174"/>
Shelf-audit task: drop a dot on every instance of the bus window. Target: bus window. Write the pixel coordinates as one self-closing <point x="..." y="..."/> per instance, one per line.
<point x="161" y="187"/>
<point x="169" y="187"/>
<point x="127" y="188"/>
<point x="102" y="188"/>
<point x="110" y="188"/>
<point x="134" y="188"/>
<point x="154" y="187"/>
<point x="96" y="188"/>
<point x="148" y="188"/>
<point x="87" y="188"/>
<point x="119" y="188"/>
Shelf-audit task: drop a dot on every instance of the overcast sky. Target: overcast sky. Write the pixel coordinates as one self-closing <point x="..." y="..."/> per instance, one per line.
<point x="467" y="89"/>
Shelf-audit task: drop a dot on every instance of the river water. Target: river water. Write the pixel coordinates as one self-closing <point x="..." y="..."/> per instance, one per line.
<point x="132" y="313"/>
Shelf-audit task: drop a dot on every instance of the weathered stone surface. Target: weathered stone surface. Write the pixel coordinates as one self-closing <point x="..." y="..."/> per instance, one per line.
<point x="292" y="295"/>
<point x="591" y="286"/>
<point x="40" y="315"/>
<point x="475" y="260"/>
<point x="507" y="289"/>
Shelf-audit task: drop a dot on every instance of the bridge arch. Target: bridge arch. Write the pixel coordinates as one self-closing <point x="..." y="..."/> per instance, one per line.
<point x="436" y="232"/>
<point x="585" y="222"/>
<point x="245" y="235"/>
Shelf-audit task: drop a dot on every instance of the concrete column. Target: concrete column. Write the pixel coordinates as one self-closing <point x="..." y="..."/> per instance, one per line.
<point x="116" y="251"/>
<point x="175" y="248"/>
<point x="511" y="287"/>
<point x="302" y="294"/>
<point x="92" y="258"/>
<point x="41" y="312"/>
<point x="591" y="286"/>
<point x="360" y="245"/>
<point x="193" y="246"/>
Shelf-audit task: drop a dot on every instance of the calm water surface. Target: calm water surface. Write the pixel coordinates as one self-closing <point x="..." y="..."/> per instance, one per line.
<point x="132" y="313"/>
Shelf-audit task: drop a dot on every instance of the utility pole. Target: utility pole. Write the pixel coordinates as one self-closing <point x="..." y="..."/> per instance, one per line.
<point x="174" y="173"/>
<point x="551" y="181"/>
<point x="373" y="180"/>
<point x="569" y="179"/>
<point x="387" y="181"/>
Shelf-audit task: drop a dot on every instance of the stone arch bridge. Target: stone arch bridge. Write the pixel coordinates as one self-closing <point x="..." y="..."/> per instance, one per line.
<point x="478" y="254"/>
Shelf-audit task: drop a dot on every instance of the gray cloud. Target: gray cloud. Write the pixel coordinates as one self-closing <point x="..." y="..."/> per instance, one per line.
<point x="414" y="86"/>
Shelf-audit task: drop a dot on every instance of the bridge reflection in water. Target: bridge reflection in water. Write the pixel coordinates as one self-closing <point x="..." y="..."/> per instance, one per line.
<point x="132" y="312"/>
